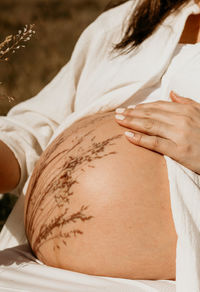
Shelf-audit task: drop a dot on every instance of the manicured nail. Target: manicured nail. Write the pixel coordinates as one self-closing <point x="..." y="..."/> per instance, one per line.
<point x="120" y="117"/>
<point x="129" y="134"/>
<point x="120" y="110"/>
<point x="131" y="106"/>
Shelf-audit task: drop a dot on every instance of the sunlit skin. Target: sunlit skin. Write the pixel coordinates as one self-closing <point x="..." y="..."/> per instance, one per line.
<point x="99" y="202"/>
<point x="126" y="228"/>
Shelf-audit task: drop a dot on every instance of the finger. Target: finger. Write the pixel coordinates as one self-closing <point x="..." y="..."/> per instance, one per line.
<point x="147" y="109"/>
<point x="141" y="109"/>
<point x="191" y="108"/>
<point x="163" y="146"/>
<point x="159" y="105"/>
<point x="158" y="115"/>
<point x="180" y="99"/>
<point x="148" y="126"/>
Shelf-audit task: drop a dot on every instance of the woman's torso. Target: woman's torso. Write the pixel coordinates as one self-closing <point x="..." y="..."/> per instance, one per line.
<point x="92" y="164"/>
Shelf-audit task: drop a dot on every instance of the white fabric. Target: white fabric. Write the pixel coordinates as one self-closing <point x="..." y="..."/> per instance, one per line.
<point x="23" y="273"/>
<point x="181" y="76"/>
<point x="174" y="72"/>
<point x="93" y="82"/>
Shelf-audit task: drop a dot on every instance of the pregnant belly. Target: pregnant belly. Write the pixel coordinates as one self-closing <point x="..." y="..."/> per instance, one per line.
<point x="98" y="204"/>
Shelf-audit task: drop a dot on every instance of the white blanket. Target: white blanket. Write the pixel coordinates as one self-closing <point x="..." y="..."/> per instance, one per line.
<point x="91" y="83"/>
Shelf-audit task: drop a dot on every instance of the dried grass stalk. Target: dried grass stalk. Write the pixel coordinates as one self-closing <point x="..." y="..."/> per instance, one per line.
<point x="11" y="44"/>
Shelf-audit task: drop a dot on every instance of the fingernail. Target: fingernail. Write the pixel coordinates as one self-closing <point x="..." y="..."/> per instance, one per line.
<point x="120" y="110"/>
<point x="120" y="117"/>
<point x="131" y="106"/>
<point x="129" y="134"/>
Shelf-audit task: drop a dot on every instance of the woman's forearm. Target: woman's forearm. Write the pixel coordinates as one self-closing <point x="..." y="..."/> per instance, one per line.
<point x="9" y="169"/>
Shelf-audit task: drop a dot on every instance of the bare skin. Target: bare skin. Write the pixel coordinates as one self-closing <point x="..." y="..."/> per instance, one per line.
<point x="191" y="32"/>
<point x="101" y="206"/>
<point x="131" y="255"/>
<point x="9" y="169"/>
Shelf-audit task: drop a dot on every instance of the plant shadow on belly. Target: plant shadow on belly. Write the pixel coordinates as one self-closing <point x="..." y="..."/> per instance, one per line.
<point x="51" y="185"/>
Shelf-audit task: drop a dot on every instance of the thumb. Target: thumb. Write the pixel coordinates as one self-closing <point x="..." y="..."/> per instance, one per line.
<point x="180" y="99"/>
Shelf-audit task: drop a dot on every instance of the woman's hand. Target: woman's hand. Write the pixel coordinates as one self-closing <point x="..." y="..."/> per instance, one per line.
<point x="172" y="129"/>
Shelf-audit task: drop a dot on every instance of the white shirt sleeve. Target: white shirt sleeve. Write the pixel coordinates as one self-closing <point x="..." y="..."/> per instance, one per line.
<point x="28" y="126"/>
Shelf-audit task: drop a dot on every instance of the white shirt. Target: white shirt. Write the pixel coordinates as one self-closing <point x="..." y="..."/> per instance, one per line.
<point x="180" y="76"/>
<point x="94" y="82"/>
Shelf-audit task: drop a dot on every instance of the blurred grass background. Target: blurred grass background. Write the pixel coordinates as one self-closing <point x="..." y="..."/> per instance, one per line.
<point x="58" y="24"/>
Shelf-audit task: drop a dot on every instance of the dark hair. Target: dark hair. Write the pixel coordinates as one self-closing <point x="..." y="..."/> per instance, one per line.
<point x="144" y="20"/>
